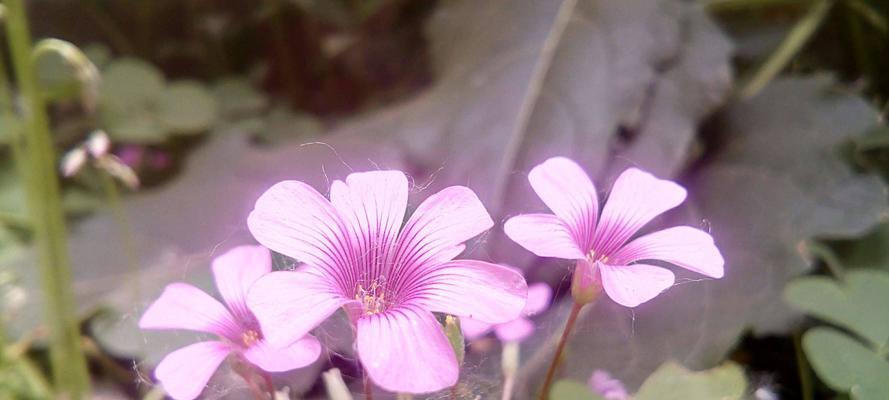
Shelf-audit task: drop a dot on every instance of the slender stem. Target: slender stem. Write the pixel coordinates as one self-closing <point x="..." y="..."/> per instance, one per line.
<point x="109" y="27"/>
<point x="805" y="376"/>
<point x="509" y="364"/>
<point x="42" y="191"/>
<point x="551" y="373"/>
<point x="123" y="223"/>
<point x="368" y="387"/>
<point x="247" y="372"/>
<point x="269" y="385"/>
<point x="508" y="387"/>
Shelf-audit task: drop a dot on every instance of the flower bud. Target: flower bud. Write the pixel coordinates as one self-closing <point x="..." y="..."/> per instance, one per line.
<point x="586" y="284"/>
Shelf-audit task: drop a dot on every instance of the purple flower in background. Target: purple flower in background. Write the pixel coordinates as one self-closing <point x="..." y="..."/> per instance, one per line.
<point x="599" y="242"/>
<point x="185" y="372"/>
<point x="388" y="277"/>
<point x="609" y="388"/>
<point x="539" y="295"/>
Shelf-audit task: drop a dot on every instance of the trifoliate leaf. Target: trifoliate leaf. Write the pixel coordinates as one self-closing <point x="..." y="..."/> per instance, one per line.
<point x="673" y="382"/>
<point x="859" y="303"/>
<point x="846" y="365"/>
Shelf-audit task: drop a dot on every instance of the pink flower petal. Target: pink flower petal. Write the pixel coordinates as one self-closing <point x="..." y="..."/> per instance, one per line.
<point x="632" y="285"/>
<point x="684" y="246"/>
<point x="294" y="219"/>
<point x="288" y="304"/>
<point x="182" y="306"/>
<point x="539" y="296"/>
<point x="469" y="288"/>
<point x="235" y="271"/>
<point x="473" y="328"/>
<point x="373" y="205"/>
<point x="405" y="350"/>
<point x="568" y="191"/>
<point x="439" y="226"/>
<point x="514" y="331"/>
<point x="636" y="198"/>
<point x="299" y="354"/>
<point x="545" y="235"/>
<point x="610" y="388"/>
<point x="185" y="372"/>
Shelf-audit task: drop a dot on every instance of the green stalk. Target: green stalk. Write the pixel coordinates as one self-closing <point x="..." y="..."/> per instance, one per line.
<point x="67" y="360"/>
<point x="792" y="44"/>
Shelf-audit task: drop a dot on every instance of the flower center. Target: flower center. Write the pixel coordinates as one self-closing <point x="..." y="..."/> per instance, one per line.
<point x="250" y="337"/>
<point x="372" y="297"/>
<point x="593" y="258"/>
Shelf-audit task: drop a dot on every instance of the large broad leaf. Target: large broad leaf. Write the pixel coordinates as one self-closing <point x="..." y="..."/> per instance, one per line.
<point x="522" y="81"/>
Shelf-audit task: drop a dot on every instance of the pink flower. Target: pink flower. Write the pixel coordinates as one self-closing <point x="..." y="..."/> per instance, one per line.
<point x="599" y="242"/>
<point x="539" y="295"/>
<point x="609" y="388"/>
<point x="185" y="372"/>
<point x="388" y="277"/>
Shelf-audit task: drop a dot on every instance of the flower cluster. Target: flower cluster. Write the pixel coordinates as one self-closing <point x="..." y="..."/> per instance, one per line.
<point x="390" y="276"/>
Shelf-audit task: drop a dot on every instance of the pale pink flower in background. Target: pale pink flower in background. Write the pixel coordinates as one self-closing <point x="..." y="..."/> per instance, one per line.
<point x="539" y="296"/>
<point x="388" y="277"/>
<point x="608" y="387"/>
<point x="599" y="242"/>
<point x="185" y="372"/>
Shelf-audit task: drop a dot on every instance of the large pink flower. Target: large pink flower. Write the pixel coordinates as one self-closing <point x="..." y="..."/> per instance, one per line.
<point x="389" y="278"/>
<point x="186" y="371"/>
<point x="599" y="242"/>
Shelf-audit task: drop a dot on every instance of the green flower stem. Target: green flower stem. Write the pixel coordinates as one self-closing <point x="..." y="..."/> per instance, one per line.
<point x="805" y="374"/>
<point x="45" y="207"/>
<point x="566" y="333"/>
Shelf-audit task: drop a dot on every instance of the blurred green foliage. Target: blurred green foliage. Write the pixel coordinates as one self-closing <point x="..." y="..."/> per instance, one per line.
<point x="855" y="363"/>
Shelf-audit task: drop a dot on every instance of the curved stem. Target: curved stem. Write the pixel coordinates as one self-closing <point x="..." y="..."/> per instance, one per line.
<point x="368" y="387"/>
<point x="551" y="373"/>
<point x="268" y="383"/>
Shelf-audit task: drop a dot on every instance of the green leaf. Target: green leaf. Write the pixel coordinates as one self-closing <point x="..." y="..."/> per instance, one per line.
<point x="672" y="381"/>
<point x="876" y="138"/>
<point x="858" y="304"/>
<point x="237" y="98"/>
<point x="134" y="126"/>
<point x="186" y="107"/>
<point x="130" y="81"/>
<point x="56" y="76"/>
<point x="567" y="389"/>
<point x="846" y="365"/>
